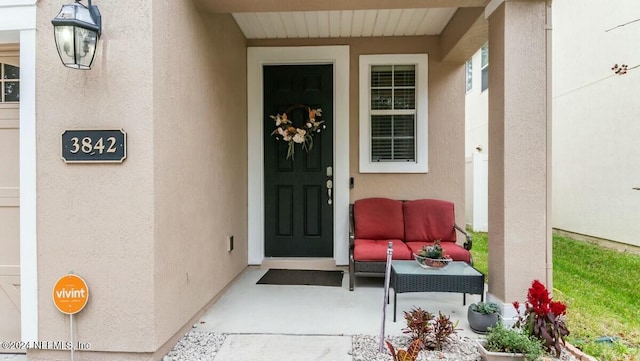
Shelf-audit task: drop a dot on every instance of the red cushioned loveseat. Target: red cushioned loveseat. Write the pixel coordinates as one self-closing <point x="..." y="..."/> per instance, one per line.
<point x="409" y="225"/>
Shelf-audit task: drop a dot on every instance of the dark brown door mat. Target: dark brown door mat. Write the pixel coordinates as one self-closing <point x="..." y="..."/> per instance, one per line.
<point x="302" y="277"/>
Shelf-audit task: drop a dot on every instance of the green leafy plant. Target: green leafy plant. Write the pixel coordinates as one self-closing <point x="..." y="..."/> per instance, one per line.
<point x="431" y="331"/>
<point x="543" y="318"/>
<point x="503" y="339"/>
<point x="410" y="354"/>
<point x="486" y="308"/>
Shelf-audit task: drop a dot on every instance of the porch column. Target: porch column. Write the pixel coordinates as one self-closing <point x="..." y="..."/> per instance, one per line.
<point x="519" y="149"/>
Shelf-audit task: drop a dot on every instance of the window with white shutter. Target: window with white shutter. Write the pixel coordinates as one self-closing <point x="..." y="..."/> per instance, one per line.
<point x="393" y="113"/>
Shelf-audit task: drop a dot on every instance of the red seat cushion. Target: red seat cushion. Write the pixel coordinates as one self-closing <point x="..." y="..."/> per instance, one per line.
<point x="378" y="219"/>
<point x="429" y="219"/>
<point x="376" y="250"/>
<point x="453" y="250"/>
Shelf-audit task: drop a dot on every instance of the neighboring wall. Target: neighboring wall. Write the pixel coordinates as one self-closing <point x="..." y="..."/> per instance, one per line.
<point x="476" y="114"/>
<point x="476" y="109"/>
<point x="445" y="179"/>
<point x="148" y="235"/>
<point x="596" y="119"/>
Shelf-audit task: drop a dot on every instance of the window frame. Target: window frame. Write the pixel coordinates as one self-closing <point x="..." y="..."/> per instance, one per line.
<point x="484" y="67"/>
<point x="3" y="82"/>
<point x="421" y="131"/>
<point x="468" y="73"/>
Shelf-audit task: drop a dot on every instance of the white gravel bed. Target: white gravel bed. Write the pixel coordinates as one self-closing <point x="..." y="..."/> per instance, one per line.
<point x="203" y="346"/>
<point x="365" y="348"/>
<point x="196" y="346"/>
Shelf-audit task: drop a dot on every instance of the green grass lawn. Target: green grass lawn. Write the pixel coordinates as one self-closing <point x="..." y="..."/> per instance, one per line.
<point x="601" y="288"/>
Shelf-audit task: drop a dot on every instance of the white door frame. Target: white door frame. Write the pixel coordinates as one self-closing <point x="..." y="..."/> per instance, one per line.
<point x="257" y="57"/>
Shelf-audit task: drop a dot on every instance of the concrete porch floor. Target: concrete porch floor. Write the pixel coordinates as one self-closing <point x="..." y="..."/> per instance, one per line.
<point x="265" y="321"/>
<point x="249" y="308"/>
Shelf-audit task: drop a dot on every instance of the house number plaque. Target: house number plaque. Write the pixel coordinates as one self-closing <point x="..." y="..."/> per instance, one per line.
<point x="94" y="146"/>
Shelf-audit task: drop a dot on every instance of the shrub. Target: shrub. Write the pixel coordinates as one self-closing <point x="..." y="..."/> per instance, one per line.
<point x="543" y="318"/>
<point x="410" y="354"/>
<point x="502" y="339"/>
<point x="431" y="331"/>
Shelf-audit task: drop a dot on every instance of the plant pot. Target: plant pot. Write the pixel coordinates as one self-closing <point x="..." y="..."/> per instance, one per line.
<point x="432" y="263"/>
<point x="497" y="356"/>
<point x="479" y="322"/>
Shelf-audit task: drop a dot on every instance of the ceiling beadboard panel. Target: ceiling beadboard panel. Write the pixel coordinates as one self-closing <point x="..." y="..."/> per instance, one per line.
<point x="344" y="23"/>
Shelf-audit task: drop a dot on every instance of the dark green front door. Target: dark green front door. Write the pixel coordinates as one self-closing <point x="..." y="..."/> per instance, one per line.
<point x="298" y="201"/>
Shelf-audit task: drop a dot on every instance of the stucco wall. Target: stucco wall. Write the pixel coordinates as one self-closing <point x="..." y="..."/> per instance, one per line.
<point x="445" y="179"/>
<point x="518" y="154"/>
<point x="149" y="235"/>
<point x="200" y="149"/>
<point x="97" y="220"/>
<point x="596" y="123"/>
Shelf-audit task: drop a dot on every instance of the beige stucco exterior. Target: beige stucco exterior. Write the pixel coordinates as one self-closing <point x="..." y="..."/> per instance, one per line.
<point x="201" y="160"/>
<point x="594" y="125"/>
<point x="445" y="179"/>
<point x="519" y="171"/>
<point x="150" y="235"/>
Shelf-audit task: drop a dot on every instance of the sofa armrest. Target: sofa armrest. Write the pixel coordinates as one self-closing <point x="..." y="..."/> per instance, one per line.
<point x="468" y="243"/>
<point x="352" y="265"/>
<point x="351" y="227"/>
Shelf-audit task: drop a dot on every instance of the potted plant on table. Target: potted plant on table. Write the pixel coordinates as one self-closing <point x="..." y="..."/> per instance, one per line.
<point x="432" y="256"/>
<point x="482" y="315"/>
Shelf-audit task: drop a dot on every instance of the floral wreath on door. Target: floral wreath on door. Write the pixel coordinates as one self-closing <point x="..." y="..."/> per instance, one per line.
<point x="287" y="132"/>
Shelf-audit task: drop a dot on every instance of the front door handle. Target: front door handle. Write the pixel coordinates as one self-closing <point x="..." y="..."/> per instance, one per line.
<point x="329" y="188"/>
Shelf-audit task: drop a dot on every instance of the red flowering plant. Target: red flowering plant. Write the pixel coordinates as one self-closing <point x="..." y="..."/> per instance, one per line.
<point x="543" y="318"/>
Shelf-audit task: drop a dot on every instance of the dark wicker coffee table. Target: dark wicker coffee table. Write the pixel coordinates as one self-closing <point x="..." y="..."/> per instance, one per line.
<point x="408" y="276"/>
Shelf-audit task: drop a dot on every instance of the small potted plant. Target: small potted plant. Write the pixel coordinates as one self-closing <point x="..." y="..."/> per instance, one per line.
<point x="482" y="315"/>
<point x="541" y="328"/>
<point x="432" y="256"/>
<point x="509" y="344"/>
<point x="543" y="318"/>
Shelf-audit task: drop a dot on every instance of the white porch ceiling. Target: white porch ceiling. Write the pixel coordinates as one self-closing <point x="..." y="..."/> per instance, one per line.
<point x="343" y="23"/>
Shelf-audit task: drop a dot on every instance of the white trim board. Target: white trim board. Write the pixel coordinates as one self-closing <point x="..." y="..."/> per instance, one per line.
<point x="28" y="220"/>
<point x="257" y="57"/>
<point x="18" y="24"/>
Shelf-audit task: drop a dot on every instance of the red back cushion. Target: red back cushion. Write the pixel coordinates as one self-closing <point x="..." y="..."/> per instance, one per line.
<point x="428" y="220"/>
<point x="378" y="218"/>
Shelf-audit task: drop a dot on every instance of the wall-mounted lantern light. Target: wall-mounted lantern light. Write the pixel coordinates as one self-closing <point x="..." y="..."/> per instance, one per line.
<point x="77" y="29"/>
